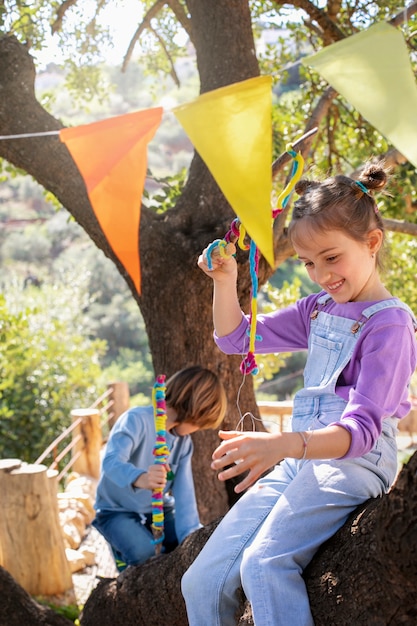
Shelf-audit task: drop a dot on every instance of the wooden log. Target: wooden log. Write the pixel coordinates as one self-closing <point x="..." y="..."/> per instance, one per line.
<point x="32" y="545"/>
<point x="89" y="442"/>
<point x="121" y="400"/>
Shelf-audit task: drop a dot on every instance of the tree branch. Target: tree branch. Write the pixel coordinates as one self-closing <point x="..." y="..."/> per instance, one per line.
<point x="60" y="12"/>
<point x="330" y="32"/>
<point x="179" y="13"/>
<point x="398" y="226"/>
<point x="300" y="145"/>
<point x="172" y="72"/>
<point x="146" y="22"/>
<point x="405" y="14"/>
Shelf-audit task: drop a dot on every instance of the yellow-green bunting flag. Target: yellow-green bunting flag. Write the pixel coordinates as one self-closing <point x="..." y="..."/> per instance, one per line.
<point x="372" y="71"/>
<point x="231" y="129"/>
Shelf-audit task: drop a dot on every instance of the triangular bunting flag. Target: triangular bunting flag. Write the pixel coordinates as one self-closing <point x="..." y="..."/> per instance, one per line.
<point x="231" y="128"/>
<point x="111" y="156"/>
<point x="372" y="71"/>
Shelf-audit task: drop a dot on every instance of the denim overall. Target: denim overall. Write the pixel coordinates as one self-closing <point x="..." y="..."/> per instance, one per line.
<point x="275" y="528"/>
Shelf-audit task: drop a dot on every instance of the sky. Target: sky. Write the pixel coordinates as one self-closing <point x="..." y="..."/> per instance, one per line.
<point x="122" y="18"/>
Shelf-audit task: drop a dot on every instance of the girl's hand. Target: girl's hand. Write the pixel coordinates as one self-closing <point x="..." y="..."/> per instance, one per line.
<point x="154" y="478"/>
<point x="222" y="266"/>
<point x="247" y="451"/>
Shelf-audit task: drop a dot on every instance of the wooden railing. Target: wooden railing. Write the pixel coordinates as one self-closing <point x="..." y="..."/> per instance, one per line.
<point x="78" y="447"/>
<point x="57" y="457"/>
<point x="276" y="414"/>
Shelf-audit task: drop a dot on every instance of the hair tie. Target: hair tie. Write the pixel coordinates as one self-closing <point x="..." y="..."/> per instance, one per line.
<point x="366" y="190"/>
<point x="362" y="186"/>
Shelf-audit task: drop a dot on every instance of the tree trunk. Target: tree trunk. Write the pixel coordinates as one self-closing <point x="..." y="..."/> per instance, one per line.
<point x="366" y="575"/>
<point x="18" y="608"/>
<point x="367" y="572"/>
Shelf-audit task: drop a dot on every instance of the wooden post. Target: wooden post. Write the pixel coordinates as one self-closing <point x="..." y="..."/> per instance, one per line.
<point x="121" y="400"/>
<point x="89" y="442"/>
<point x="31" y="540"/>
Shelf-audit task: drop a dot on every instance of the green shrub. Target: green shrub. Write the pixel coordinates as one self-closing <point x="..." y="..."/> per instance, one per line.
<point x="47" y="368"/>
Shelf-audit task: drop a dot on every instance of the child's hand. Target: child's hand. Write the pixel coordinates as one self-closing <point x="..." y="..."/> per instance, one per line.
<point x="223" y="265"/>
<point x="246" y="451"/>
<point x="154" y="478"/>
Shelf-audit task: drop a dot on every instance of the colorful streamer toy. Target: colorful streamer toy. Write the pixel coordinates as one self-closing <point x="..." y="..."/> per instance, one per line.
<point x="237" y="233"/>
<point x="161" y="454"/>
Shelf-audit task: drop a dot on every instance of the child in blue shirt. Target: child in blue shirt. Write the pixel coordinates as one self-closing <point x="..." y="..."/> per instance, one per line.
<point x="195" y="400"/>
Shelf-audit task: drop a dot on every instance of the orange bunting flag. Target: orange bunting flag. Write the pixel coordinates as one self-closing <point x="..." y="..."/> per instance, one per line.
<point x="372" y="70"/>
<point x="231" y="129"/>
<point x="111" y="156"/>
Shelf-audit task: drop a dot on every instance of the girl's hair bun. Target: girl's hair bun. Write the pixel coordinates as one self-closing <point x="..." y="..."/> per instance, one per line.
<point x="374" y="175"/>
<point x="304" y="185"/>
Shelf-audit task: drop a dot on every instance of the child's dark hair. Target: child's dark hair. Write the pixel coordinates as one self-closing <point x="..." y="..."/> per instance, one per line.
<point x="342" y="203"/>
<point x="198" y="397"/>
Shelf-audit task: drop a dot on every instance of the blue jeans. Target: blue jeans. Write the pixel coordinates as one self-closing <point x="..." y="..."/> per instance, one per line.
<point x="268" y="538"/>
<point x="130" y="536"/>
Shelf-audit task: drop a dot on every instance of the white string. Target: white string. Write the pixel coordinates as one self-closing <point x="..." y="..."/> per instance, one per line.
<point x="26" y="135"/>
<point x="241" y="423"/>
<point x="242" y="416"/>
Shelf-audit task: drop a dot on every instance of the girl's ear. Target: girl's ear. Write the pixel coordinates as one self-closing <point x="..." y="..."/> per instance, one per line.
<point x="374" y="240"/>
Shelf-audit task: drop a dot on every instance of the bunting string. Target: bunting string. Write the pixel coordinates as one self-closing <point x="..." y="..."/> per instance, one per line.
<point x="27" y="135"/>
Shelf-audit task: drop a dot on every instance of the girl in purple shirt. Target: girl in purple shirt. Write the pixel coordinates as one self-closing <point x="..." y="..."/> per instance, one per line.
<point x="342" y="449"/>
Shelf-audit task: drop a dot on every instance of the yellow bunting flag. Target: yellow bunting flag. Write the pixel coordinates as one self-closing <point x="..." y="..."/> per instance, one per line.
<point x="231" y="129"/>
<point x="111" y="156"/>
<point x="372" y="71"/>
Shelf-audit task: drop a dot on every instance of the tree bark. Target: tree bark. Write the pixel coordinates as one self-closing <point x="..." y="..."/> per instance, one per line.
<point x="367" y="572"/>
<point x="18" y="608"/>
<point x="365" y="575"/>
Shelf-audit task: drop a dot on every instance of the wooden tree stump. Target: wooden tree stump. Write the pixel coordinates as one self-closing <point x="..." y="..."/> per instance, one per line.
<point x="31" y="542"/>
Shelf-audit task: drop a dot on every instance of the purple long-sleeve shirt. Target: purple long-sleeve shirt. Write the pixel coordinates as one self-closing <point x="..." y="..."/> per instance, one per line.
<point x="374" y="382"/>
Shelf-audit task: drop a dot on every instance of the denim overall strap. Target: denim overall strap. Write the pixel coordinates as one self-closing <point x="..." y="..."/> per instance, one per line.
<point x="331" y="343"/>
<point x="389" y="304"/>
